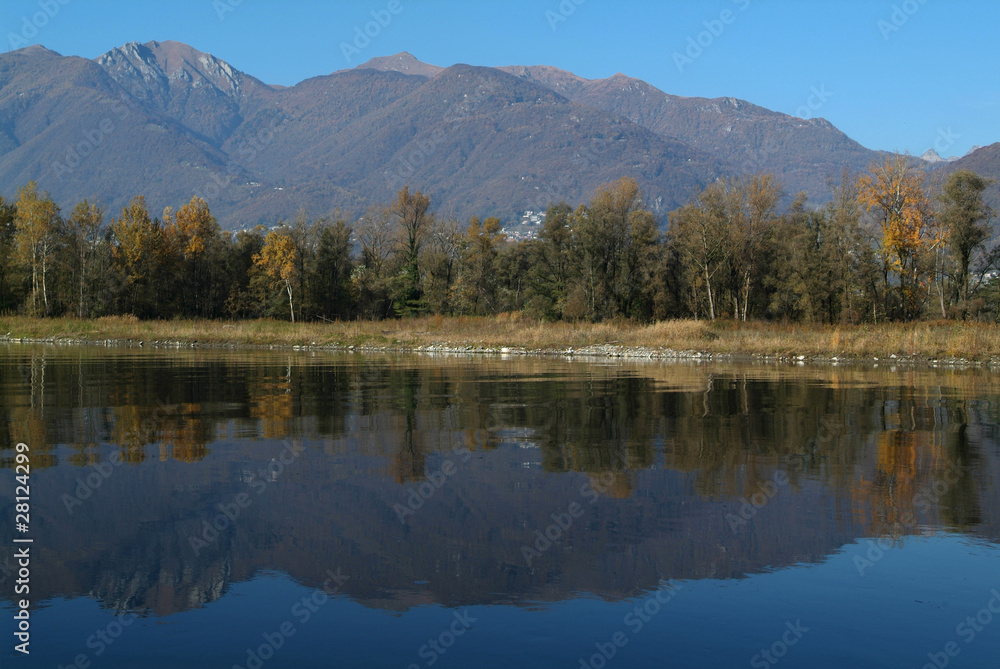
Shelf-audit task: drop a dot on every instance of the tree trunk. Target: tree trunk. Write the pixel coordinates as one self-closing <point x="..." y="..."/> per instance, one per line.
<point x="711" y="300"/>
<point x="34" y="286"/>
<point x="940" y="275"/>
<point x="746" y="295"/>
<point x="45" y="294"/>
<point x="83" y="274"/>
<point x="966" y="260"/>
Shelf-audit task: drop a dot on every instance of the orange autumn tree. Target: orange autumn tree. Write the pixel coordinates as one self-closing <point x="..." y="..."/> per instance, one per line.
<point x="195" y="240"/>
<point x="893" y="190"/>
<point x="193" y="228"/>
<point x="140" y="255"/>
<point x="277" y="259"/>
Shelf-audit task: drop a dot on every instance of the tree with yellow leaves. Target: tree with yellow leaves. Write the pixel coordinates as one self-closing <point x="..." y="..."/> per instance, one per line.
<point x="37" y="224"/>
<point x="138" y="255"/>
<point x="893" y="190"/>
<point x="193" y="237"/>
<point x="193" y="228"/>
<point x="277" y="260"/>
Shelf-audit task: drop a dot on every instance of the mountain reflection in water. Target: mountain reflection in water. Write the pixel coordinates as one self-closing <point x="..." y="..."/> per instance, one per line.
<point x="464" y="481"/>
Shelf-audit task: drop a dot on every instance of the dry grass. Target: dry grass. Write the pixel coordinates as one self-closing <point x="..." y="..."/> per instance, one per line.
<point x="973" y="341"/>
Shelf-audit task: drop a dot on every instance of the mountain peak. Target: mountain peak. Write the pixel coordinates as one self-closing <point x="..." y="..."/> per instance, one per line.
<point x="197" y="89"/>
<point x="403" y="62"/>
<point x="159" y="64"/>
<point x="562" y="82"/>
<point x="35" y="50"/>
<point x="931" y="156"/>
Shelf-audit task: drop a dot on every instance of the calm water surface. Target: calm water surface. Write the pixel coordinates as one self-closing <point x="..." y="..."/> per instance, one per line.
<point x="209" y="509"/>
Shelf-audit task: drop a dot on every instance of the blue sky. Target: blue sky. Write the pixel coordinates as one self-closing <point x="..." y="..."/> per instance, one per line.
<point x="902" y="75"/>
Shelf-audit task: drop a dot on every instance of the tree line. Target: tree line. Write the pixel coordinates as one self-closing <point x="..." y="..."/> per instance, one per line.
<point x="881" y="249"/>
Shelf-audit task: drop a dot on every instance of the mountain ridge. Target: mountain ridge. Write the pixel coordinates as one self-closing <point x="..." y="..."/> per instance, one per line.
<point x="169" y="121"/>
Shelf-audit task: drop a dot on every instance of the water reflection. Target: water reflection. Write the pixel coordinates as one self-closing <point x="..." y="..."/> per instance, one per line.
<point x="162" y="479"/>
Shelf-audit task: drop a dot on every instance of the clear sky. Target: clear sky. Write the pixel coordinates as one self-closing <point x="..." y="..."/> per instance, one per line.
<point x="902" y="75"/>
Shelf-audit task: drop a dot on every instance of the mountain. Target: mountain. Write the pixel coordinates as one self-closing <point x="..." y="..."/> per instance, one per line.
<point x="65" y="122"/>
<point x="168" y="121"/>
<point x="404" y="63"/>
<point x="565" y="83"/>
<point x="932" y="156"/>
<point x="804" y="153"/>
<point x="205" y="94"/>
<point x="481" y="141"/>
<point x="984" y="161"/>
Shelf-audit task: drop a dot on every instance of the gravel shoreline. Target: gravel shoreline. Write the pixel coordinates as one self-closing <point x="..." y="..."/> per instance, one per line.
<point x="593" y="352"/>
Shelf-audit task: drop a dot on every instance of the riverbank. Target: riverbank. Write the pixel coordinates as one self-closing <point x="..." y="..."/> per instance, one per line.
<point x="942" y="342"/>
